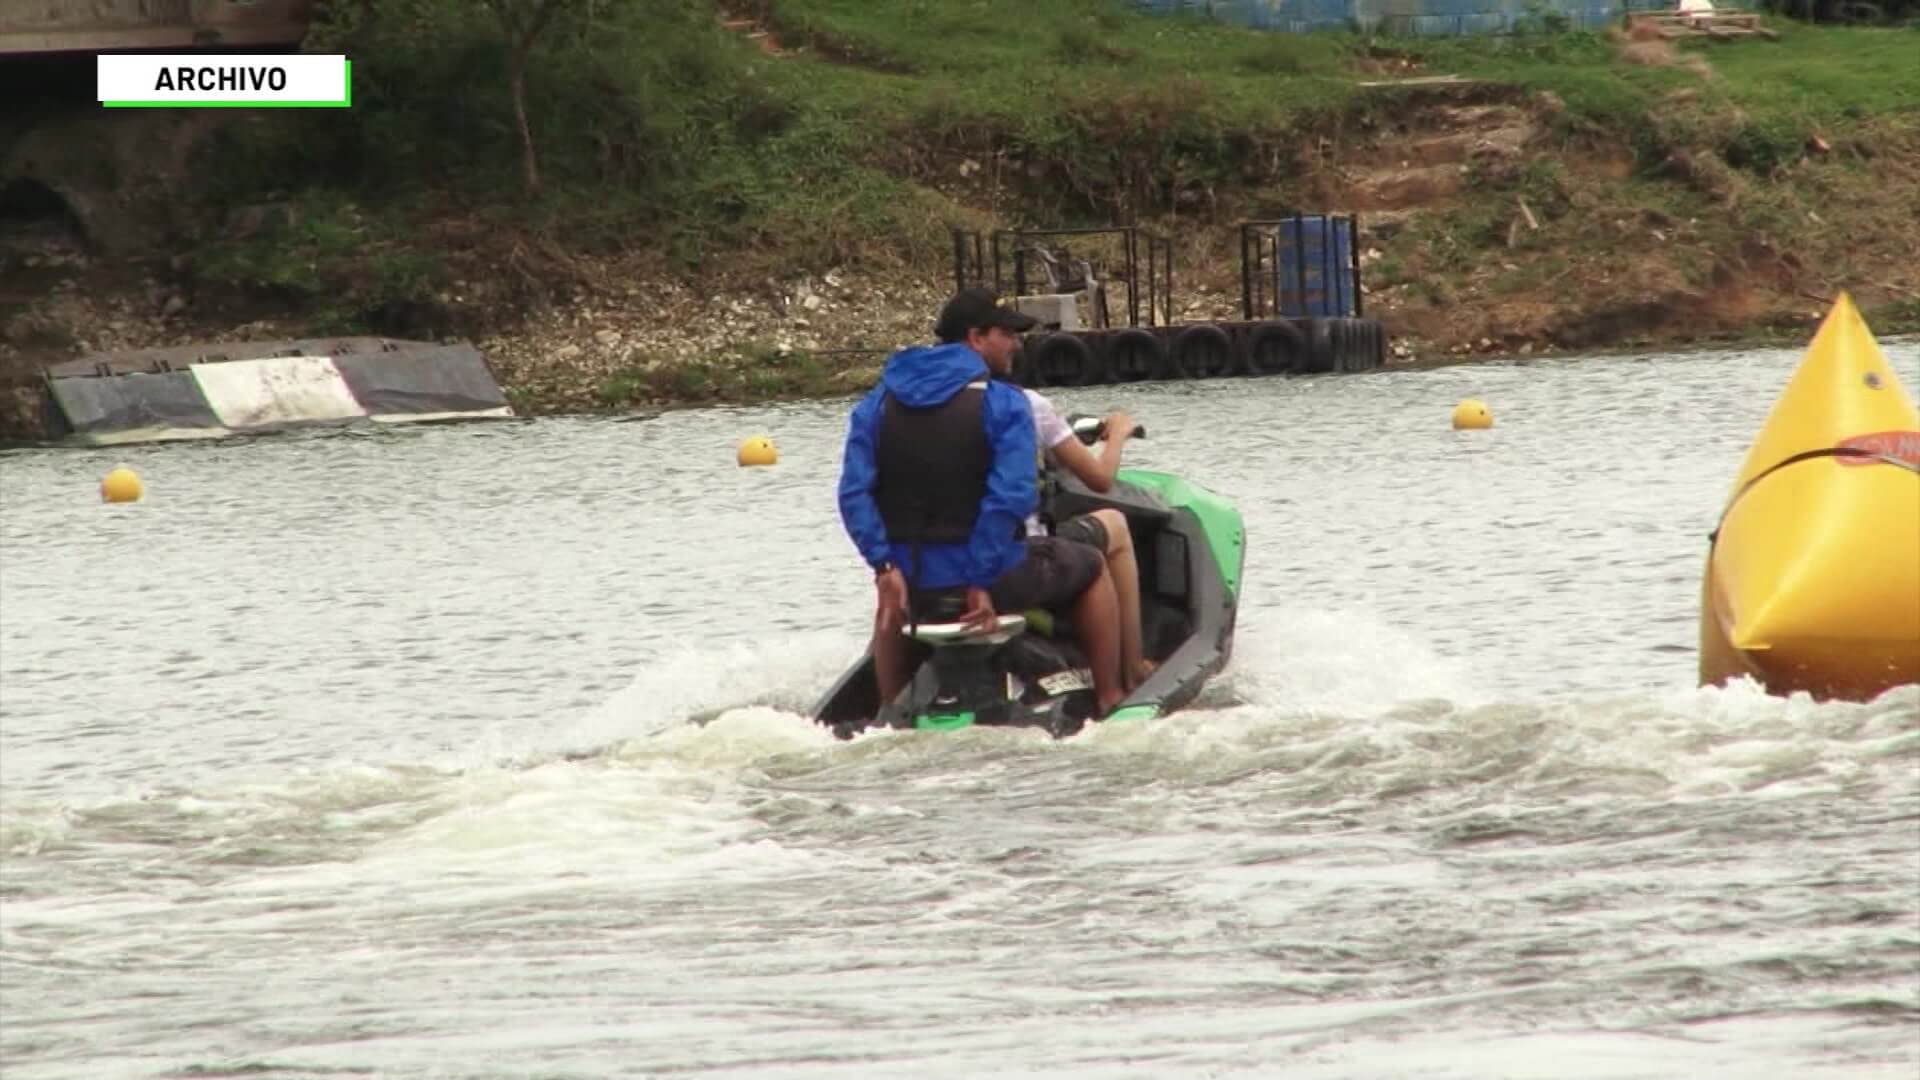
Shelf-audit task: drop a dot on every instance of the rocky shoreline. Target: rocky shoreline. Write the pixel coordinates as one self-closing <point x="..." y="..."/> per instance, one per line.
<point x="634" y="339"/>
<point x="651" y="342"/>
<point x="645" y="341"/>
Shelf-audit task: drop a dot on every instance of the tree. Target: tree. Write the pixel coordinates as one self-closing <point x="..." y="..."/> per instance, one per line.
<point x="523" y="20"/>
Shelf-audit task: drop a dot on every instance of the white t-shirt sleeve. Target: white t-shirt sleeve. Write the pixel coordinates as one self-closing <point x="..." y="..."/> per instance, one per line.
<point x="1048" y="428"/>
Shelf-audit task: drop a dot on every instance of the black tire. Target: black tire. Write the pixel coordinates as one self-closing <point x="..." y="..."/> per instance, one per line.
<point x="1359" y="345"/>
<point x="1024" y="372"/>
<point x="1063" y="360"/>
<point x="1320" y="355"/>
<point x="1341" y="331"/>
<point x="1133" y="355"/>
<point x="1201" y="351"/>
<point x="1276" y="348"/>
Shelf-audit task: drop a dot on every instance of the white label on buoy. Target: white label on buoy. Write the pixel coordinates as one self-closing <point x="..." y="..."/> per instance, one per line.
<point x="278" y="390"/>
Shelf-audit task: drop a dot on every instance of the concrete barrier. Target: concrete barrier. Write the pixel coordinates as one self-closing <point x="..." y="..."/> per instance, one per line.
<point x="416" y="385"/>
<point x="203" y="391"/>
<point x="141" y="407"/>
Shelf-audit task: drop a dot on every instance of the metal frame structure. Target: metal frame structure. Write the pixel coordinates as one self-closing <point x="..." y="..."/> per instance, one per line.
<point x="973" y="255"/>
<point x="1260" y="249"/>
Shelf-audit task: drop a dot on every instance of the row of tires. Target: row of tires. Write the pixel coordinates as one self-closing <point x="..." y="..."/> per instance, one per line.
<point x="1201" y="351"/>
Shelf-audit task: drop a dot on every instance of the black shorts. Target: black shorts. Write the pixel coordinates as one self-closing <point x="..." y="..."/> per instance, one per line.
<point x="1087" y="529"/>
<point x="1052" y="576"/>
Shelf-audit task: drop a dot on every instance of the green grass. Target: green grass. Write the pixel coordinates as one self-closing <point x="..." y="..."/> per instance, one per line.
<point x="1758" y="105"/>
<point x="326" y="254"/>
<point x="752" y="371"/>
<point x="1825" y="76"/>
<point x="1106" y="113"/>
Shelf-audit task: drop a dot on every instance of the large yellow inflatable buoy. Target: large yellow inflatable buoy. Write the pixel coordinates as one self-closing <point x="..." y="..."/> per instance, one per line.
<point x="1812" y="580"/>
<point x="122" y="485"/>
<point x="757" y="450"/>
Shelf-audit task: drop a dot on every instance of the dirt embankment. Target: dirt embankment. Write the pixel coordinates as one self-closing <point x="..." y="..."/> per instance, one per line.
<point x="1490" y="225"/>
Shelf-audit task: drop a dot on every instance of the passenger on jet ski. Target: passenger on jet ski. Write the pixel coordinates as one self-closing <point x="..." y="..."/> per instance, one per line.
<point x="937" y="480"/>
<point x="1105" y="530"/>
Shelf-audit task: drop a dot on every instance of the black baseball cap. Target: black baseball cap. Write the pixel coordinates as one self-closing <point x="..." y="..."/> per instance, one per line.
<point x="978" y="309"/>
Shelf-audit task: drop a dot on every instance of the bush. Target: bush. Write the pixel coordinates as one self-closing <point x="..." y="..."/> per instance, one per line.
<point x="627" y="95"/>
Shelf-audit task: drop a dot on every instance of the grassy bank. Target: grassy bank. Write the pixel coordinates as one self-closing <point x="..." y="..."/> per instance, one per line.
<point x="781" y="137"/>
<point x="655" y="114"/>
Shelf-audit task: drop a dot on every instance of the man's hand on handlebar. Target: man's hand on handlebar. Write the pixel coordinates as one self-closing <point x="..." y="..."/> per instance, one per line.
<point x="1119" y="426"/>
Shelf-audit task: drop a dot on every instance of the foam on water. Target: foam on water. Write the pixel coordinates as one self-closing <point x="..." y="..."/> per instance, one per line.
<point x="1333" y="708"/>
<point x="1354" y="663"/>
<point x="698" y="681"/>
<point x="695" y="711"/>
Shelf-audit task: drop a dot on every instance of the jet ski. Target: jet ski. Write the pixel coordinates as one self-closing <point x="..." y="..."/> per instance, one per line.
<point x="1028" y="671"/>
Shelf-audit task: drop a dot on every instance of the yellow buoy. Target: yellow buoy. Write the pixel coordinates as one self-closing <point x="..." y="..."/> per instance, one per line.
<point x="757" y="450"/>
<point x="120" y="485"/>
<point x="1471" y="415"/>
<point x="1812" y="580"/>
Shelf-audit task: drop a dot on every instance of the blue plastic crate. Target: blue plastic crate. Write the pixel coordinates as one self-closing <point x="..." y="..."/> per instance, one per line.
<point x="1313" y="267"/>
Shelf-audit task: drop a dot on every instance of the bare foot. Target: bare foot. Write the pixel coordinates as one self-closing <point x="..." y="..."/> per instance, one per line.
<point x="1139" y="674"/>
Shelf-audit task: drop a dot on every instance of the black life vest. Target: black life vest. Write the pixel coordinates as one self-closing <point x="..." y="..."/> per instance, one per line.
<point x="931" y="466"/>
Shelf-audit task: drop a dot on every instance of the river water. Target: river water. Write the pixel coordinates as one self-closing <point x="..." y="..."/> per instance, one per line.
<point x="366" y="754"/>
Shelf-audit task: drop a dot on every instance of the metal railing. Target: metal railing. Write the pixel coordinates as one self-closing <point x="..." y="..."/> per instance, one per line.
<point x="979" y="260"/>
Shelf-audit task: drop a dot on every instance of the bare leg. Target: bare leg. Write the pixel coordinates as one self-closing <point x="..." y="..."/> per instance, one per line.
<point x="1126" y="590"/>
<point x="1096" y="619"/>
<point x="890" y="659"/>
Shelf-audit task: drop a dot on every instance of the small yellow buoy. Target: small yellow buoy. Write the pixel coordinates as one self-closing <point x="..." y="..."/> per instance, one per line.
<point x="120" y="485"/>
<point x="1471" y="415"/>
<point x="757" y="450"/>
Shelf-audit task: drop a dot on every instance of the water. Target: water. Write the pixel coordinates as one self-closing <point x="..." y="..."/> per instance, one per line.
<point x="365" y="754"/>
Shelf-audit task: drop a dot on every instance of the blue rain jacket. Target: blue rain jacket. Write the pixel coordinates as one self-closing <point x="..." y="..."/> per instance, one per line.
<point x="921" y="377"/>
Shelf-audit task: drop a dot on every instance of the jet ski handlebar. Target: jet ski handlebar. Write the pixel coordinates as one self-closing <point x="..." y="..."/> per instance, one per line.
<point x="1091" y="429"/>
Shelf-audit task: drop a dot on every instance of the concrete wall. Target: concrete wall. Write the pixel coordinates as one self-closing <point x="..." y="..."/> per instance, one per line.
<point x="30" y="26"/>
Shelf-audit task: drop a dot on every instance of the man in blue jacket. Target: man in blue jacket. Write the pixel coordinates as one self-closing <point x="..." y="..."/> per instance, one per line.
<point x="937" y="482"/>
